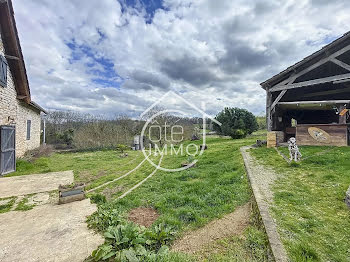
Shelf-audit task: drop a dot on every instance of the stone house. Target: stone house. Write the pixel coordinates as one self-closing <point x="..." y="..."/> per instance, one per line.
<point x="20" y="117"/>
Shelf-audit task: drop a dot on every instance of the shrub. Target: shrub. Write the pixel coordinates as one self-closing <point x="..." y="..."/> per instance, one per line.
<point x="66" y="137"/>
<point x="121" y="148"/>
<point x="236" y="122"/>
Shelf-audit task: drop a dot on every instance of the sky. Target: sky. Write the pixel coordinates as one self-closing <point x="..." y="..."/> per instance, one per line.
<point x="115" y="57"/>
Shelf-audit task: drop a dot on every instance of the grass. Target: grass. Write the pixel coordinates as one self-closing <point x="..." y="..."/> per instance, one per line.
<point x="185" y="200"/>
<point x="7" y="205"/>
<point x="191" y="198"/>
<point x="23" y="204"/>
<point x="313" y="220"/>
<point x="92" y="168"/>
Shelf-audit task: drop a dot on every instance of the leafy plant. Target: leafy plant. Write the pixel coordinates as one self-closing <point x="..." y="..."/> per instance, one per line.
<point x="104" y="218"/>
<point x="129" y="242"/>
<point x="161" y="235"/>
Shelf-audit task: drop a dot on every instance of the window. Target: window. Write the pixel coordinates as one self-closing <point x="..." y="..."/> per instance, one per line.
<point x="3" y="71"/>
<point x="29" y="123"/>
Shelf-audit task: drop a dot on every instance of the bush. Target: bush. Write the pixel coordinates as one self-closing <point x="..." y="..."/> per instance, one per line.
<point x="236" y="122"/>
<point x="66" y="137"/>
<point x="121" y="148"/>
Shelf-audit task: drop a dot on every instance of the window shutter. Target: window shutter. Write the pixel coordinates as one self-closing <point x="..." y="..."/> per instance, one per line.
<point x="29" y="123"/>
<point x="3" y="71"/>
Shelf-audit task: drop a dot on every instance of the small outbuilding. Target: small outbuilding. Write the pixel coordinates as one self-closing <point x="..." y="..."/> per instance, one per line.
<point x="20" y="119"/>
<point x="311" y="99"/>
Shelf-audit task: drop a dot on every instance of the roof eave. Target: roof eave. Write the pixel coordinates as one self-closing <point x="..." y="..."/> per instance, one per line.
<point x="13" y="49"/>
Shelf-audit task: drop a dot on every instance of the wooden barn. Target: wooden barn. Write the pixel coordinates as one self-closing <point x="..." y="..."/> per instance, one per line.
<point x="310" y="100"/>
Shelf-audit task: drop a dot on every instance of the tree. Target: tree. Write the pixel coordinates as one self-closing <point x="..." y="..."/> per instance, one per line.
<point x="236" y="122"/>
<point x="261" y="122"/>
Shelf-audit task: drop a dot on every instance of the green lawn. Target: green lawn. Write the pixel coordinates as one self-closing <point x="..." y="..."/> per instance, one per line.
<point x="184" y="200"/>
<point x="313" y="220"/>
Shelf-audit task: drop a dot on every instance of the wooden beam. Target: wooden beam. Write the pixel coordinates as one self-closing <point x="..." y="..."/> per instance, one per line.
<point x="341" y="81"/>
<point x="21" y="97"/>
<point x="311" y="82"/>
<point x="329" y="92"/>
<point x="341" y="64"/>
<point x="315" y="102"/>
<point x="12" y="57"/>
<point x="268" y="110"/>
<point x="278" y="99"/>
<point x="292" y="78"/>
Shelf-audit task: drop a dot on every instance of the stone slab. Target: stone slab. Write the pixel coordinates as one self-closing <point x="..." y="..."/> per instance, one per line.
<point x="50" y="233"/>
<point x="37" y="183"/>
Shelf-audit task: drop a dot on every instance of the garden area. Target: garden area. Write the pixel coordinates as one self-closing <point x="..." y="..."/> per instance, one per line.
<point x="171" y="204"/>
<point x="309" y="208"/>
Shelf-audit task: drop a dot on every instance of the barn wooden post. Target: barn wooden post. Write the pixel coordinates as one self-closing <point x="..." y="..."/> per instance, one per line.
<point x="268" y="110"/>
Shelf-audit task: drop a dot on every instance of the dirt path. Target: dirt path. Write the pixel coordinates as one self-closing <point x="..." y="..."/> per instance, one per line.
<point x="231" y="224"/>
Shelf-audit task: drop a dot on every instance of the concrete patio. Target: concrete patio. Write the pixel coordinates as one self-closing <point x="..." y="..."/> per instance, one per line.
<point x="37" y="183"/>
<point x="48" y="233"/>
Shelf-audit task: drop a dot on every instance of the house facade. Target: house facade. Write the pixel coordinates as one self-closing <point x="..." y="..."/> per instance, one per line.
<point x="311" y="99"/>
<point x="20" y="117"/>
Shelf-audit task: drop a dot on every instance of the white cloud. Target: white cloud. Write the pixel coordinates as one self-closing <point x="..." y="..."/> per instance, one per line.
<point x="212" y="51"/>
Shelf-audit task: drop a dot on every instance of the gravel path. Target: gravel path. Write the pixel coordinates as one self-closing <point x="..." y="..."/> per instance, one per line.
<point x="261" y="179"/>
<point x="264" y="177"/>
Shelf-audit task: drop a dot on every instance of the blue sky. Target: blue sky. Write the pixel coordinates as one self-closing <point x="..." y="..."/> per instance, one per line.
<point x="150" y="6"/>
<point x="118" y="57"/>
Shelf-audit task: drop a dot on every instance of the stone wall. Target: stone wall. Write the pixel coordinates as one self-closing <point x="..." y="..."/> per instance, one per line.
<point x="16" y="112"/>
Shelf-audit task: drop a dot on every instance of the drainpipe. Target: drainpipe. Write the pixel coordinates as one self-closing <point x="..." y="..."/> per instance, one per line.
<point x="44" y="132"/>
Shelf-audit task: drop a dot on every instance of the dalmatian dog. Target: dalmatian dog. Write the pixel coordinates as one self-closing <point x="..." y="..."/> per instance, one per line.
<point x="294" y="152"/>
